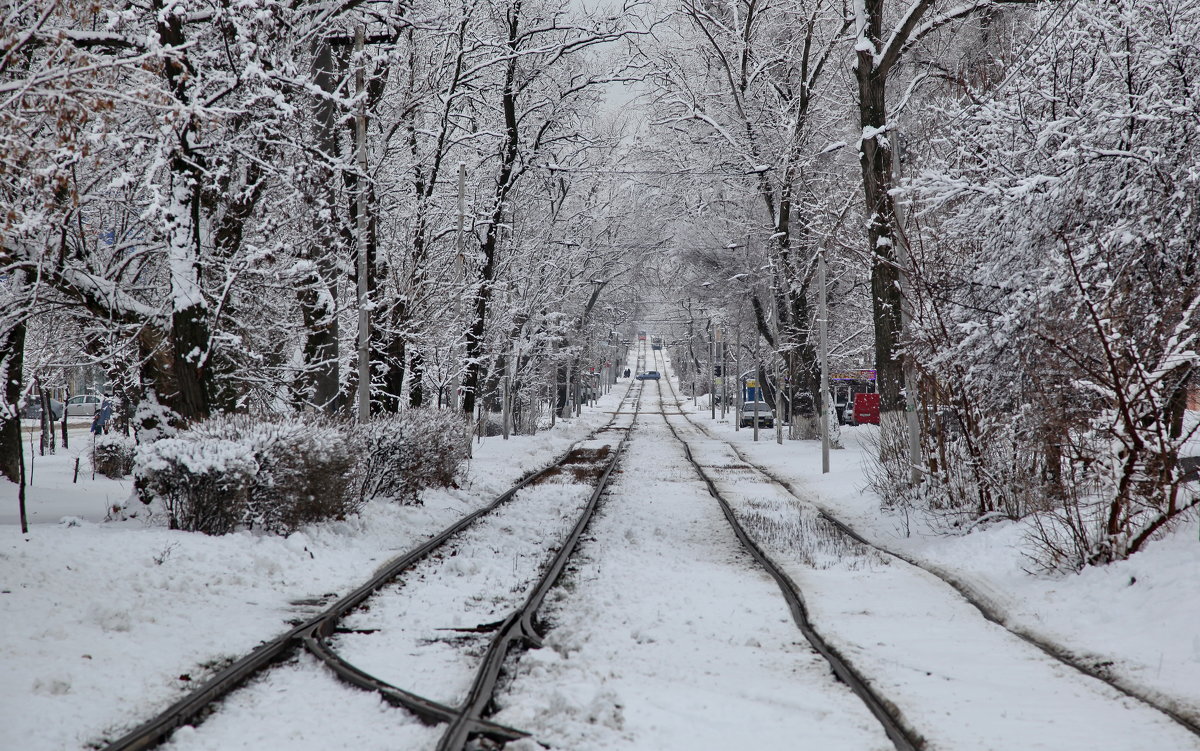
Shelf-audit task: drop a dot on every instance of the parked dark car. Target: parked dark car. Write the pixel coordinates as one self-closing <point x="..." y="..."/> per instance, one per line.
<point x="33" y="410"/>
<point x="649" y="375"/>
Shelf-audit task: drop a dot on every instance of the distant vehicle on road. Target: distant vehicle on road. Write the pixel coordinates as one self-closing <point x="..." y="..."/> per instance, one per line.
<point x="656" y="342"/>
<point x="649" y="375"/>
<point x="766" y="416"/>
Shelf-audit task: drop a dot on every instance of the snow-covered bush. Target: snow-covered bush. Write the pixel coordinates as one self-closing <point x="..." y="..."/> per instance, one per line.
<point x="113" y="454"/>
<point x="203" y="484"/>
<point x="399" y="455"/>
<point x="274" y="474"/>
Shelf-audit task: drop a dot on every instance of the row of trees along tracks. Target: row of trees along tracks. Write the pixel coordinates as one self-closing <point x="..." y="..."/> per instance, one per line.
<point x="528" y="517"/>
<point x="787" y="534"/>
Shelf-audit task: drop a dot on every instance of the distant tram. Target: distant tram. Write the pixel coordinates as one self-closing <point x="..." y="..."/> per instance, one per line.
<point x="641" y="336"/>
<point x="656" y="342"/>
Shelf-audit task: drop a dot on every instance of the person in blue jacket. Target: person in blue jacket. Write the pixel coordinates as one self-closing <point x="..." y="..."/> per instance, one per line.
<point x="100" y="421"/>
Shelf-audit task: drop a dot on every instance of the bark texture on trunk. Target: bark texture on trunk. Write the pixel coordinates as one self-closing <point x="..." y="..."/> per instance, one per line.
<point x="189" y="330"/>
<point x="473" y="378"/>
<point x="316" y="289"/>
<point x="875" y="156"/>
<point x="12" y="366"/>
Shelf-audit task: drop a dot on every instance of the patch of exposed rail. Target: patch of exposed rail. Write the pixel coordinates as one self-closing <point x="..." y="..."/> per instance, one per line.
<point x="466" y="721"/>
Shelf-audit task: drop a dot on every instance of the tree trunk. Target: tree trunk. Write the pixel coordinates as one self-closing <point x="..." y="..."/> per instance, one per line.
<point x="158" y="383"/>
<point x="416" y="385"/>
<point x="317" y="287"/>
<point x="47" y="440"/>
<point x="12" y="365"/>
<point x="392" y="352"/>
<point x="473" y="377"/>
<point x="876" y="161"/>
<point x="189" y="320"/>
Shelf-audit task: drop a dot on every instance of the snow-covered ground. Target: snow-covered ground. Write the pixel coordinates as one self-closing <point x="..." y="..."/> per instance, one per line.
<point x="1137" y="619"/>
<point x="108" y="622"/>
<point x="669" y="636"/>
<point x="958" y="680"/>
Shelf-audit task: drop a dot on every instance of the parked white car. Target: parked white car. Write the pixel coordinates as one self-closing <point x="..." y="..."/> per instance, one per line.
<point x="83" y="405"/>
<point x="766" y="415"/>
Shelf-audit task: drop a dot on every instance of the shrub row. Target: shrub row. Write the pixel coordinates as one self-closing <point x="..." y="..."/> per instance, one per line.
<point x="277" y="474"/>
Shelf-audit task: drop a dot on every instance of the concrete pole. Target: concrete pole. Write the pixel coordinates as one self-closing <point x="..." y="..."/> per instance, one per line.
<point x="504" y="404"/>
<point x="712" y="387"/>
<point x="778" y="411"/>
<point x="823" y="313"/>
<point x="364" y="314"/>
<point x="910" y="376"/>
<point x="460" y="268"/>
<point x="737" y="374"/>
<point x="725" y="382"/>
<point x="552" y="382"/>
<point x="757" y="387"/>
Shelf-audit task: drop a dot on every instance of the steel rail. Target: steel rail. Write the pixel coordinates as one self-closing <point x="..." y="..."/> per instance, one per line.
<point x="428" y="711"/>
<point x="904" y="737"/>
<point x="518" y="627"/>
<point x="192" y="707"/>
<point x="971" y="596"/>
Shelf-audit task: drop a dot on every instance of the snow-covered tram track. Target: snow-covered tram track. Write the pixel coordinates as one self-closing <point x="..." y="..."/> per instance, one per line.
<point x="994" y="613"/>
<point x="464" y="721"/>
<point x="668" y="635"/>
<point x="898" y="730"/>
<point x="1106" y="707"/>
